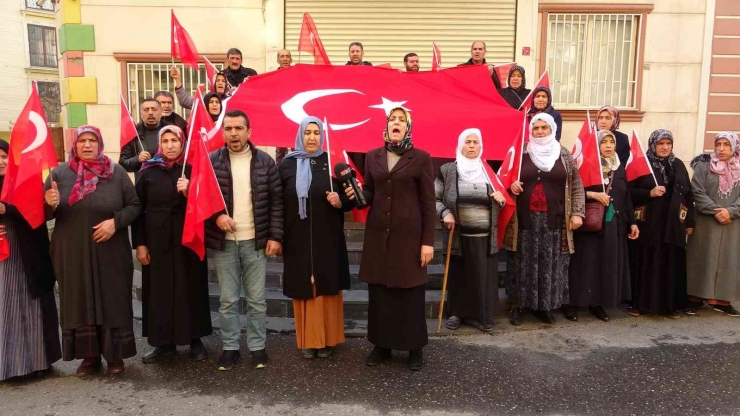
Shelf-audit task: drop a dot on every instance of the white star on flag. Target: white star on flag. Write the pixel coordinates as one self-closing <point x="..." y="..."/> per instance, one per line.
<point x="389" y="105"/>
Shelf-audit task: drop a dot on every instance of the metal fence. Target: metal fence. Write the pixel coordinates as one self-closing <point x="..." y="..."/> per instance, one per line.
<point x="144" y="79"/>
<point x="47" y="5"/>
<point x="592" y="59"/>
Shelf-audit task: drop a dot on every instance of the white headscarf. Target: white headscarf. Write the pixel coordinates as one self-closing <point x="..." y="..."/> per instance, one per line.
<point x="470" y="170"/>
<point x="544" y="151"/>
<point x="611" y="164"/>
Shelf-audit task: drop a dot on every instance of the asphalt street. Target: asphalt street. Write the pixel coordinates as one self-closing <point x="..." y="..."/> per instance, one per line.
<point x="630" y="366"/>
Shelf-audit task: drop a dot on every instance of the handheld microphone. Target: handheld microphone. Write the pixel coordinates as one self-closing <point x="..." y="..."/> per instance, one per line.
<point x="347" y="175"/>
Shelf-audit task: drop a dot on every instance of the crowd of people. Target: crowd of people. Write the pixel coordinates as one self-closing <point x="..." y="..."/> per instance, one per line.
<point x="662" y="243"/>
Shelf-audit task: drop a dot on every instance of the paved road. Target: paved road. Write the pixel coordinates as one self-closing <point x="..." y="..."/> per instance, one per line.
<point x="631" y="366"/>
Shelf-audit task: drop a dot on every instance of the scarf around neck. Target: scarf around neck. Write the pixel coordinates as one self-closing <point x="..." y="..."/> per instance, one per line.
<point x="470" y="170"/>
<point x="304" y="173"/>
<point x="406" y="143"/>
<point x="159" y="159"/>
<point x="533" y="110"/>
<point x="89" y="172"/>
<point x="544" y="151"/>
<point x="728" y="171"/>
<point x="615" y="116"/>
<point x="662" y="164"/>
<point x="608" y="165"/>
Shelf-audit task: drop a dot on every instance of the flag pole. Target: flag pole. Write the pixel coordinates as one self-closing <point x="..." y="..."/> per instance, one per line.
<point x="521" y="150"/>
<point x="132" y="122"/>
<point x="598" y="157"/>
<point x="190" y="137"/>
<point x="642" y="149"/>
<point x="328" y="153"/>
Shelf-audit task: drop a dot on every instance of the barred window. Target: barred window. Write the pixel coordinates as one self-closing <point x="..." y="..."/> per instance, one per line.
<point x="42" y="46"/>
<point x="592" y="59"/>
<point x="144" y="79"/>
<point x="50" y="100"/>
<point x="47" y="5"/>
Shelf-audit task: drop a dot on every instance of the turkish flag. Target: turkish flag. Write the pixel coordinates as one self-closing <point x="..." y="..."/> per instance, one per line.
<point x="182" y="46"/>
<point x="507" y="211"/>
<point x="502" y="72"/>
<point x="587" y="156"/>
<point x="310" y="41"/>
<point x="200" y="122"/>
<point x="204" y="197"/>
<point x="337" y="154"/>
<point x="544" y="81"/>
<point x="436" y="58"/>
<point x="4" y="249"/>
<point x="357" y="99"/>
<point x="211" y="72"/>
<point x="31" y="153"/>
<point x="386" y="65"/>
<point x="128" y="127"/>
<point x="637" y="165"/>
<point x="511" y="167"/>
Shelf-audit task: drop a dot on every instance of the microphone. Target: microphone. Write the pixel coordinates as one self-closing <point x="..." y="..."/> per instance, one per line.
<point x="346" y="175"/>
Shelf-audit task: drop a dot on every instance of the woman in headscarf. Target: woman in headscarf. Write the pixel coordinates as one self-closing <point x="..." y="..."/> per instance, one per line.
<point x="469" y="207"/>
<point x="175" y="309"/>
<point x="599" y="268"/>
<point x="212" y="102"/>
<point x="399" y="241"/>
<point x="550" y="206"/>
<point x="220" y="88"/>
<point x="29" y="327"/>
<point x="665" y="214"/>
<point x="316" y="266"/>
<point x="517" y="91"/>
<point x="542" y="103"/>
<point x="94" y="202"/>
<point x="608" y="119"/>
<point x="713" y="263"/>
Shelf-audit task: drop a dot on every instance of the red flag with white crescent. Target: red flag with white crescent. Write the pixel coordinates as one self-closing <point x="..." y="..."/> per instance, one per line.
<point x="200" y="122"/>
<point x="637" y="165"/>
<point x="310" y="42"/>
<point x="544" y="81"/>
<point x="436" y="58"/>
<point x="181" y="45"/>
<point x="502" y="71"/>
<point x="31" y="153"/>
<point x="357" y="99"/>
<point x="508" y="210"/>
<point x="586" y="154"/>
<point x="211" y="72"/>
<point x="128" y="127"/>
<point x="511" y="167"/>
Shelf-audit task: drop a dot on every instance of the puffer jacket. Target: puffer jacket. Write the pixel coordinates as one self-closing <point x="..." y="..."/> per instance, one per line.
<point x="267" y="198"/>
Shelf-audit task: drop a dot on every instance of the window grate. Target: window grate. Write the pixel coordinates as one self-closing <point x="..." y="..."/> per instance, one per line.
<point x="42" y="46"/>
<point x="144" y="79"/>
<point x="47" y="5"/>
<point x="592" y="59"/>
<point x="50" y="100"/>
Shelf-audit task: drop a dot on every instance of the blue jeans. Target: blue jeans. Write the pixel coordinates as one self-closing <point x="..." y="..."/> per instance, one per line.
<point x="237" y="267"/>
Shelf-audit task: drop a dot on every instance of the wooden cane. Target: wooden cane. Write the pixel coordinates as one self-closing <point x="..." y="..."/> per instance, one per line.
<point x="444" y="281"/>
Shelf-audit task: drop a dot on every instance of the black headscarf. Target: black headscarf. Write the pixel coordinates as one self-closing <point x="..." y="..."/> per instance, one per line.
<point x="533" y="110"/>
<point x="524" y="78"/>
<point x="664" y="165"/>
<point x="207" y="100"/>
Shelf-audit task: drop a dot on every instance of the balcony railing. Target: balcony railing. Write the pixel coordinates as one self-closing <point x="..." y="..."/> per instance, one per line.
<point x="47" y="5"/>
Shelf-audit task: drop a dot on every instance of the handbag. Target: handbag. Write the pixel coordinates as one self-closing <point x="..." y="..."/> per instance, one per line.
<point x="595" y="212"/>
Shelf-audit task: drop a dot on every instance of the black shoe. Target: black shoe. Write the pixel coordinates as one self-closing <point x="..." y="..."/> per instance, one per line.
<point x="157" y="353"/>
<point x="546" y="317"/>
<point x="259" y="359"/>
<point x="728" y="309"/>
<point x="570" y="313"/>
<point x="228" y="359"/>
<point x="416" y="360"/>
<point x="515" y="316"/>
<point x="599" y="312"/>
<point x="197" y="350"/>
<point x="377" y="356"/>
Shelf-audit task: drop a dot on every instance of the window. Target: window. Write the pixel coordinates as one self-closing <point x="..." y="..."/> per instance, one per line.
<point x="47" y="5"/>
<point x="50" y="100"/>
<point x="144" y="79"/>
<point x="42" y="46"/>
<point x="591" y="59"/>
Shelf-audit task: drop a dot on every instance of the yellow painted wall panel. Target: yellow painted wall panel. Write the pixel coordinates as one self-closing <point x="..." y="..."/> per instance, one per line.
<point x="80" y="90"/>
<point x="71" y="11"/>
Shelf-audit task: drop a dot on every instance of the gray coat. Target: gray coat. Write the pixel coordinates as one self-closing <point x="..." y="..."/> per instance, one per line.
<point x="445" y="191"/>
<point x="711" y="254"/>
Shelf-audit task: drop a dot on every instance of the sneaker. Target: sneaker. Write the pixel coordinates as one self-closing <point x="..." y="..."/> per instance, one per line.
<point x="377" y="356"/>
<point x="228" y="359"/>
<point x="727" y="309"/>
<point x="259" y="359"/>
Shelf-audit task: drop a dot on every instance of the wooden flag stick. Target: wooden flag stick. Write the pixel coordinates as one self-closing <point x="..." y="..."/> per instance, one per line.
<point x="444" y="281"/>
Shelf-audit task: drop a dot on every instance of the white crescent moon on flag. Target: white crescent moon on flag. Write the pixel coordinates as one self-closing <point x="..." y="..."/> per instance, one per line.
<point x="40" y="125"/>
<point x="629" y="160"/>
<point x="578" y="153"/>
<point x="510" y="157"/>
<point x="295" y="112"/>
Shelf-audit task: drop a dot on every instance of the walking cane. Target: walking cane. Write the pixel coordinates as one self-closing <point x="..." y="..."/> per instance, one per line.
<point x="444" y="281"/>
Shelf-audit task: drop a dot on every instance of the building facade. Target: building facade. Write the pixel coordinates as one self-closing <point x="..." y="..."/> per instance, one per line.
<point x="666" y="63"/>
<point x="28" y="53"/>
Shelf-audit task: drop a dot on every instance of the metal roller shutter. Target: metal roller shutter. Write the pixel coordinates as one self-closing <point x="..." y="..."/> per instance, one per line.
<point x="390" y="29"/>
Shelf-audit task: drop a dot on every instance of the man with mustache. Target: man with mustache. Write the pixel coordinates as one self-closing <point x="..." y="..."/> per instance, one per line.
<point x="169" y="116"/>
<point x="132" y="155"/>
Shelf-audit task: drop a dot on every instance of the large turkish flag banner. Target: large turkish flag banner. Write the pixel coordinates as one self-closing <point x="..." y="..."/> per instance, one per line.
<point x="356" y="99"/>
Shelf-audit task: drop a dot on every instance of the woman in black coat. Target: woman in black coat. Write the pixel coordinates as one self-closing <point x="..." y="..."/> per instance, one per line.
<point x="316" y="267"/>
<point x="517" y="91"/>
<point x="542" y="103"/>
<point x="599" y="269"/>
<point x="29" y="326"/>
<point x="175" y="281"/>
<point x="608" y="119"/>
